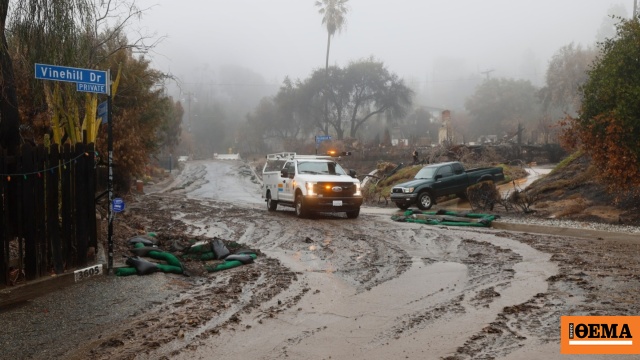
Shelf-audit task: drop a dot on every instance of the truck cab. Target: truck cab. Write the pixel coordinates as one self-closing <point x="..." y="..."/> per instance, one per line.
<point x="310" y="183"/>
<point x="435" y="180"/>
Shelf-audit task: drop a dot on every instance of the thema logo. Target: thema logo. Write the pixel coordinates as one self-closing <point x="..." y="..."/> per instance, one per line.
<point x="599" y="334"/>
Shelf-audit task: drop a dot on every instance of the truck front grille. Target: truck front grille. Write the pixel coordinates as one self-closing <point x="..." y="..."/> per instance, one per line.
<point x="340" y="189"/>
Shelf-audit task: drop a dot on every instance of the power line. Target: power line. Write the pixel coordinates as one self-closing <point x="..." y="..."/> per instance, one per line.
<point x="229" y="84"/>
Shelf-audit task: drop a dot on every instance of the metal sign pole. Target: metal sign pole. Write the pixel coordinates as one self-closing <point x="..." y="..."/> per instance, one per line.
<point x="110" y="213"/>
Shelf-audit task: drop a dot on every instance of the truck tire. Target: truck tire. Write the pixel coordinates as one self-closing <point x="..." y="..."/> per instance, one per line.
<point x="485" y="179"/>
<point x="402" y="206"/>
<point x="272" y="205"/>
<point x="353" y="214"/>
<point x="425" y="200"/>
<point x="301" y="211"/>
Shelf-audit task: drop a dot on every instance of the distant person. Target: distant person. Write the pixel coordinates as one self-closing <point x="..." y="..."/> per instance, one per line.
<point x="415" y="156"/>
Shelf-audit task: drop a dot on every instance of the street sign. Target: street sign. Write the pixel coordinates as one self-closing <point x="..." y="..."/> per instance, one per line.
<point x="87" y="80"/>
<point x="117" y="205"/>
<point x="93" y="88"/>
<point x="102" y="111"/>
<point x="321" y="138"/>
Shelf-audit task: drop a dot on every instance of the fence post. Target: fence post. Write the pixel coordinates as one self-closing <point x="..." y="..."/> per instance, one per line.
<point x="91" y="184"/>
<point x="40" y="213"/>
<point x="80" y="208"/>
<point x="68" y="238"/>
<point x="53" y="222"/>
<point x="28" y="213"/>
<point x="4" y="221"/>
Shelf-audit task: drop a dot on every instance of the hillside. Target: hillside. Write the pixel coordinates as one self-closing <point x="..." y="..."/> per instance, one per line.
<point x="571" y="191"/>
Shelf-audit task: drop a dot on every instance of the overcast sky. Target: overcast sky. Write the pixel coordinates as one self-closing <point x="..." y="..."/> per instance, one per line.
<point x="278" y="38"/>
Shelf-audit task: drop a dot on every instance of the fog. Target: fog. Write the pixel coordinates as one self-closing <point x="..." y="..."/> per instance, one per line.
<point x="280" y="38"/>
<point x="227" y="55"/>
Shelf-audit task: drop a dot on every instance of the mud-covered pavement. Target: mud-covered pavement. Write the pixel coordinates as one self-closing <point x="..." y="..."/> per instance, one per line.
<point x="330" y="287"/>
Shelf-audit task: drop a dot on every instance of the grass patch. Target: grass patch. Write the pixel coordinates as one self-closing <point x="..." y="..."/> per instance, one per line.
<point x="382" y="189"/>
<point x="566" y="161"/>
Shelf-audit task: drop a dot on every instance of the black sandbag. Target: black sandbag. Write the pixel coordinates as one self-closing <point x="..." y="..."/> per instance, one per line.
<point x="144" y="251"/>
<point x="145" y="240"/>
<point x="245" y="251"/>
<point x="143" y="267"/>
<point x="245" y="259"/>
<point x="219" y="249"/>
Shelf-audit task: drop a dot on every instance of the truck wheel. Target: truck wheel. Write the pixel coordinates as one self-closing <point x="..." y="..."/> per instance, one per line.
<point x="353" y="214"/>
<point x="402" y="206"/>
<point x="425" y="200"/>
<point x="299" y="205"/>
<point x="272" y="205"/>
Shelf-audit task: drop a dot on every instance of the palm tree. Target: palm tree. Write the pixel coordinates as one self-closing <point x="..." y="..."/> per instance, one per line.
<point x="333" y="17"/>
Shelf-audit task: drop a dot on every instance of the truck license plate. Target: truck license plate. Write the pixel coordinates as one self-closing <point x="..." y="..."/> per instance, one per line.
<point x="337" y="202"/>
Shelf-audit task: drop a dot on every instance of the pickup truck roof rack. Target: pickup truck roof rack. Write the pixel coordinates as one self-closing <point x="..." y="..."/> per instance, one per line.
<point x="292" y="155"/>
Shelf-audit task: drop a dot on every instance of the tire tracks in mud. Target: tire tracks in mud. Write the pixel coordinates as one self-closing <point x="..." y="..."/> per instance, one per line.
<point x="368" y="256"/>
<point x="374" y="259"/>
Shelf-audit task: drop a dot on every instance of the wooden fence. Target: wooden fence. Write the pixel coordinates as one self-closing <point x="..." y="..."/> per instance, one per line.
<point x="48" y="211"/>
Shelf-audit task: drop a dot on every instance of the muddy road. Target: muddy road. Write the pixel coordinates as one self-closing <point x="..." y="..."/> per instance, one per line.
<point x="368" y="288"/>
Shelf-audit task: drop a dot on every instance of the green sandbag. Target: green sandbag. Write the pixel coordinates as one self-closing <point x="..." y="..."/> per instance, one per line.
<point x="125" y="271"/>
<point x="201" y="256"/>
<point x="170" y="269"/>
<point x="162" y="255"/>
<point x="168" y="257"/>
<point x="227" y="264"/>
<point x="447" y="218"/>
<point x="173" y="265"/>
<point x="128" y="270"/>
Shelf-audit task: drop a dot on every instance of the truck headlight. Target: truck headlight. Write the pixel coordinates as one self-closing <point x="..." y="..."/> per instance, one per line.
<point x="407" y="190"/>
<point x="358" y="192"/>
<point x="310" y="186"/>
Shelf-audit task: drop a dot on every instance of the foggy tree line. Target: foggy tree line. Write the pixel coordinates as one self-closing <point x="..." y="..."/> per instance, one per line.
<point x="365" y="99"/>
<point x="338" y="103"/>
<point x="498" y="106"/>
<point x="501" y="107"/>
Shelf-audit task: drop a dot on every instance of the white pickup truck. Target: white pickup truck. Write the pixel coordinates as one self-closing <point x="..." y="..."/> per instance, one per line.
<point x="310" y="183"/>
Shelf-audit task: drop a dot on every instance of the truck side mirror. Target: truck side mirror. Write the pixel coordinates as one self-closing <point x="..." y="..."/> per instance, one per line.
<point x="352" y="173"/>
<point x="283" y="173"/>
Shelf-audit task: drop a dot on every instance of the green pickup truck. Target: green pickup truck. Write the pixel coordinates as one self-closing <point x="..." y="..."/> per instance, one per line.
<point x="433" y="181"/>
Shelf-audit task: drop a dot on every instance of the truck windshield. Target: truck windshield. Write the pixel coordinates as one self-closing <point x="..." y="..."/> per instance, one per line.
<point x="426" y="173"/>
<point x="317" y="167"/>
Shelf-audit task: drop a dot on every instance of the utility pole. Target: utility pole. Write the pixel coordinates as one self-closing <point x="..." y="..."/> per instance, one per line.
<point x="487" y="72"/>
<point x="635" y="9"/>
<point x="189" y="95"/>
